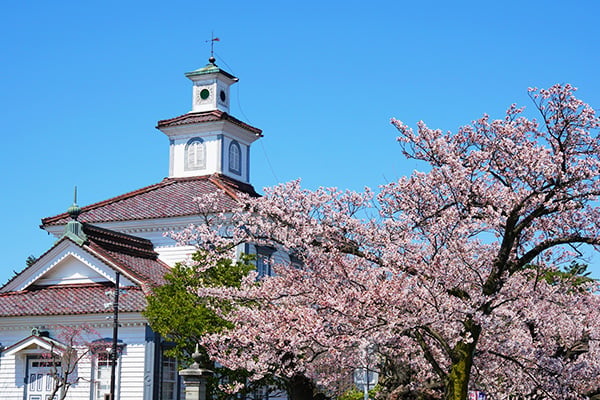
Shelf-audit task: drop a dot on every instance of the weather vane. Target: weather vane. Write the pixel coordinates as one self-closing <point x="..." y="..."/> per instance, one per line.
<point x="212" y="41"/>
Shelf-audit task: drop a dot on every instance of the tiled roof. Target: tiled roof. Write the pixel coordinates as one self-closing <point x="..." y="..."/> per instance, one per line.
<point x="120" y="242"/>
<point x="150" y="272"/>
<point x="68" y="300"/>
<point x="206" y="116"/>
<point x="134" y="255"/>
<point x="173" y="197"/>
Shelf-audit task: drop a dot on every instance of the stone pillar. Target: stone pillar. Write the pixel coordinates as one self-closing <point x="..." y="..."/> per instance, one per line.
<point x="194" y="379"/>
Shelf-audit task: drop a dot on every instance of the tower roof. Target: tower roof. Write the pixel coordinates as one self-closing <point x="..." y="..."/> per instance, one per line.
<point x="210" y="68"/>
<point x="206" y="116"/>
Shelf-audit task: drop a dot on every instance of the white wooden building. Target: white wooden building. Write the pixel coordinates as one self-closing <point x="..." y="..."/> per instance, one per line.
<point x="67" y="286"/>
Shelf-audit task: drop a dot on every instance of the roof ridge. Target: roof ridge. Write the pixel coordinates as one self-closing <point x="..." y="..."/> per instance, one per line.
<point x="134" y="276"/>
<point x="139" y="278"/>
<point x="121" y="242"/>
<point x="111" y="232"/>
<point x="224" y="187"/>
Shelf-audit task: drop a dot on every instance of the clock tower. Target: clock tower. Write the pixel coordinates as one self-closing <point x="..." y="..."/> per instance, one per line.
<point x="207" y="140"/>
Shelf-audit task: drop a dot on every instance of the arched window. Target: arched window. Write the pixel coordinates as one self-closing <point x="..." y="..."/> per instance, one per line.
<point x="235" y="158"/>
<point x="195" y="154"/>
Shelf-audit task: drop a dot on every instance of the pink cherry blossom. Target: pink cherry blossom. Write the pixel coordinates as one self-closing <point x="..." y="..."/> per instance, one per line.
<point x="444" y="273"/>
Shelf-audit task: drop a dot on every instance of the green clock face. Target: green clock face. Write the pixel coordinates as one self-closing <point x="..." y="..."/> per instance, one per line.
<point x="204" y="93"/>
<point x="222" y="95"/>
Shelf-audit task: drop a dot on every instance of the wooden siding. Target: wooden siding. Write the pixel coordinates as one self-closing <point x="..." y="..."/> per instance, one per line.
<point x="131" y="368"/>
<point x="8" y="387"/>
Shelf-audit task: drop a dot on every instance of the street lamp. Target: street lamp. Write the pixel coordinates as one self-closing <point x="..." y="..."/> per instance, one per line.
<point x="365" y="378"/>
<point x="113" y="352"/>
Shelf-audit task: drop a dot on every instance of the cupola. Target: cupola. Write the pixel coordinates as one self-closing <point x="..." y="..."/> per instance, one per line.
<point x="207" y="140"/>
<point x="211" y="88"/>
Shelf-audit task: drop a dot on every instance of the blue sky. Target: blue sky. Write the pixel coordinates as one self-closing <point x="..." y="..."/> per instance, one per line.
<point x="83" y="84"/>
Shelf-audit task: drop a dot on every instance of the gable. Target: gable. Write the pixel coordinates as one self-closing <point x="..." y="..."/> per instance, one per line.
<point x="71" y="268"/>
<point x="34" y="342"/>
<point x="64" y="264"/>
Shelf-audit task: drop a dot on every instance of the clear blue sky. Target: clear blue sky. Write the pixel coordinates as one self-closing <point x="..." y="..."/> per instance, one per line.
<point x="82" y="85"/>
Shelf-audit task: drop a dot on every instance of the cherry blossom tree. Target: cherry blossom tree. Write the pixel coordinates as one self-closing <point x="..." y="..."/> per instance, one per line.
<point x="445" y="272"/>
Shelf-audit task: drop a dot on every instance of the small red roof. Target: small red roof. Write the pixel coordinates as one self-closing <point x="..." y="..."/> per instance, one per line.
<point x="206" y="116"/>
<point x="173" y="197"/>
<point x="135" y="256"/>
<point x="68" y="300"/>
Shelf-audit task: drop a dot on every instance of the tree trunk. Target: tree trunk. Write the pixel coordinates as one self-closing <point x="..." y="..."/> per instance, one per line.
<point x="299" y="387"/>
<point x="460" y="371"/>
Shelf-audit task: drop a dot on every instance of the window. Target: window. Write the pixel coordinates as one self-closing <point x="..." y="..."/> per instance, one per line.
<point x="263" y="261"/>
<point x="296" y="261"/>
<point x="168" y="379"/>
<point x="102" y="376"/>
<point x="195" y="154"/>
<point x="235" y="158"/>
<point x="102" y="368"/>
<point x="263" y="266"/>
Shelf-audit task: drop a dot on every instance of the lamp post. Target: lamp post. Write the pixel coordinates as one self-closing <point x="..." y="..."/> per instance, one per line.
<point x="113" y="351"/>
<point x="365" y="378"/>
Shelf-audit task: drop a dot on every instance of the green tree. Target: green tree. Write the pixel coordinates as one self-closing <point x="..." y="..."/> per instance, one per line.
<point x="182" y="317"/>
<point x="354" y="394"/>
<point x="177" y="313"/>
<point x="576" y="274"/>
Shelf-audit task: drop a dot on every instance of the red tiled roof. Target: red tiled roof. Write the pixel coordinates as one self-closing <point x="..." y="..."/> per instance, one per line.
<point x="150" y="272"/>
<point x="206" y="116"/>
<point x="120" y="242"/>
<point x="173" y="197"/>
<point x="134" y="255"/>
<point x="68" y="300"/>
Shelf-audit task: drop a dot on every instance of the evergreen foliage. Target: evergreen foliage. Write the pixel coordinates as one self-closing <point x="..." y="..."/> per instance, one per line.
<point x="180" y="316"/>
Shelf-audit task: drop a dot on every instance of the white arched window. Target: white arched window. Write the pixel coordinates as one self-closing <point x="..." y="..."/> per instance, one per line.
<point x="195" y="154"/>
<point x="235" y="158"/>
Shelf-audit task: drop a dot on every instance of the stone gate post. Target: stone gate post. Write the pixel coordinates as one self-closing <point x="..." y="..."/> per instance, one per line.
<point x="194" y="379"/>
